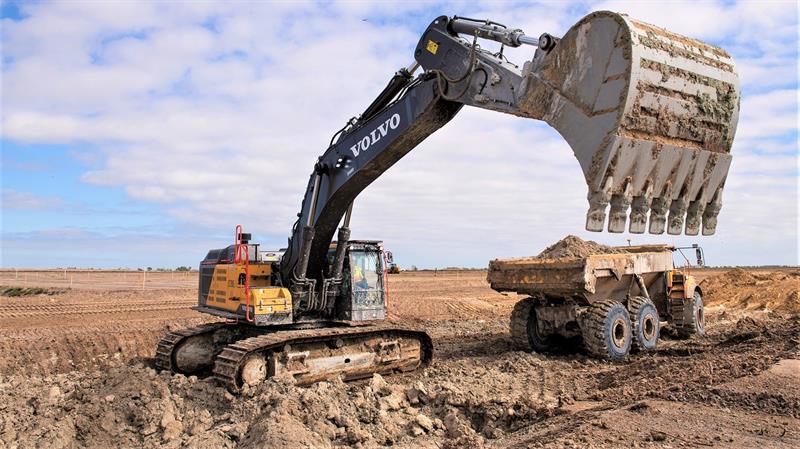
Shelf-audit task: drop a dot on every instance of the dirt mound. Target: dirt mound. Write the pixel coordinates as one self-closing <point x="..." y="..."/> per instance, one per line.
<point x="778" y="290"/>
<point x="134" y="406"/>
<point x="574" y="247"/>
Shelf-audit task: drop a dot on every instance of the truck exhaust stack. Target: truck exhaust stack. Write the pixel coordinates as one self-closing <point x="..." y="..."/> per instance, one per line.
<point x="650" y="116"/>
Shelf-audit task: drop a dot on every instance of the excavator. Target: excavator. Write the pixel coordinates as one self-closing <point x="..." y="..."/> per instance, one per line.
<point x="650" y="116"/>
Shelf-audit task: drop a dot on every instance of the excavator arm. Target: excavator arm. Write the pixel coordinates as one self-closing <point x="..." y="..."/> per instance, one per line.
<point x="649" y="114"/>
<point x="359" y="156"/>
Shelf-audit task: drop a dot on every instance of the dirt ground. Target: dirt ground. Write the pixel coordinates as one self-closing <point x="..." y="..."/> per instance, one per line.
<point x="76" y="371"/>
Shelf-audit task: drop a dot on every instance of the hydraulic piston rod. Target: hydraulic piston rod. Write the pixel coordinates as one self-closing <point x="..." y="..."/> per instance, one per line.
<point x="487" y="29"/>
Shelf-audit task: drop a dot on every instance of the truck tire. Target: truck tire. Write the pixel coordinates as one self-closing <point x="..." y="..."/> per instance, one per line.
<point x="524" y="331"/>
<point x="606" y="330"/>
<point x="645" y="323"/>
<point x="691" y="315"/>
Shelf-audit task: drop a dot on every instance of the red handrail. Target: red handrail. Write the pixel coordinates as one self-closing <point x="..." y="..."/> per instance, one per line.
<point x="240" y="247"/>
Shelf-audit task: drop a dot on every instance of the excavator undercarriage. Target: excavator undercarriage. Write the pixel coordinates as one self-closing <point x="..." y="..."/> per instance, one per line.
<point x="345" y="339"/>
<point x="238" y="355"/>
<point x="650" y="116"/>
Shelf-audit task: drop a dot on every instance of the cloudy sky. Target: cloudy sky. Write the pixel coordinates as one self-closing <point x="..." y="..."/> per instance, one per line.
<point x="138" y="134"/>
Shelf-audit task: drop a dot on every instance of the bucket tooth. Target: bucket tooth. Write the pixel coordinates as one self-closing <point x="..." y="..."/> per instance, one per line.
<point x="596" y="217"/>
<point x="639" y="207"/>
<point x="658" y="216"/>
<point x="693" y="217"/>
<point x="677" y="213"/>
<point x="638" y="103"/>
<point x="711" y="212"/>
<point x="598" y="201"/>
<point x="618" y="213"/>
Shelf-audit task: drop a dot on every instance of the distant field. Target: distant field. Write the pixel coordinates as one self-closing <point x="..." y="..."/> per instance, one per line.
<point x="154" y="280"/>
<point x="99" y="279"/>
<point x="160" y="280"/>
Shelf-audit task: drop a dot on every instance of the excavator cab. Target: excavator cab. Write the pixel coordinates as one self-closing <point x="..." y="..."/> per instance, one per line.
<point x="362" y="294"/>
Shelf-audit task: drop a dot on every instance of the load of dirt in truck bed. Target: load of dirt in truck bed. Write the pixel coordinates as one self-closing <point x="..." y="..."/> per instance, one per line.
<point x="739" y="289"/>
<point x="575" y="247"/>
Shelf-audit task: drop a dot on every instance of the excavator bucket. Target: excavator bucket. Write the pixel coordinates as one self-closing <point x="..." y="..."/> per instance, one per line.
<point x="650" y="116"/>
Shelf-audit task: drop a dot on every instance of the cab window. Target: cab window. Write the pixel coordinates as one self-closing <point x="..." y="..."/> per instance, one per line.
<point x="364" y="271"/>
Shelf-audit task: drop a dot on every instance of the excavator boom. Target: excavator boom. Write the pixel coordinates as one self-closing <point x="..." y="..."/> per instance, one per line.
<point x="649" y="114"/>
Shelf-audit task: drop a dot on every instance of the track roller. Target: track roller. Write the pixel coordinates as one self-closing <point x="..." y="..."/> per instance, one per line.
<point x="312" y="355"/>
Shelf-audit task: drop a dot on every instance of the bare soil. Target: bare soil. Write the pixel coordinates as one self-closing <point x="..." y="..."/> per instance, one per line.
<point x="740" y="289"/>
<point x="76" y="370"/>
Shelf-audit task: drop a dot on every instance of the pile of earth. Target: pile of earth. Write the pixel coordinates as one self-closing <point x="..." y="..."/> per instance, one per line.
<point x="777" y="291"/>
<point x="135" y="406"/>
<point x="575" y="247"/>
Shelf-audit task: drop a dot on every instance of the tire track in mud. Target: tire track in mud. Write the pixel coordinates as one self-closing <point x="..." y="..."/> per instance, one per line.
<point x="699" y="371"/>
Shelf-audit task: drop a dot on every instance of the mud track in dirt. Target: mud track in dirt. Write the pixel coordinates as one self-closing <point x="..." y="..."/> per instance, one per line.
<point x="77" y="379"/>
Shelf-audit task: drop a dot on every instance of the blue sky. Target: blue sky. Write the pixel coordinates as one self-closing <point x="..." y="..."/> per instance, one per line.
<point x="139" y="133"/>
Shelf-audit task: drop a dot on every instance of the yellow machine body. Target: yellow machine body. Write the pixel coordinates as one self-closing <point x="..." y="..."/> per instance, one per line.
<point x="228" y="293"/>
<point x="680" y="284"/>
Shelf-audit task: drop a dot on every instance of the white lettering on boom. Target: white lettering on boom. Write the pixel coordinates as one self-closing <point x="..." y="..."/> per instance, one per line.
<point x="377" y="134"/>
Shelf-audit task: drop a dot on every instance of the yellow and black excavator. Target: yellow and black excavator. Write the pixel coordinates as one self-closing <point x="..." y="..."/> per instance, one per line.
<point x="649" y="114"/>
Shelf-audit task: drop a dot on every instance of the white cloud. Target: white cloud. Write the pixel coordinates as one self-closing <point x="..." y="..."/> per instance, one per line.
<point x="107" y="247"/>
<point x="16" y="200"/>
<point x="221" y="123"/>
<point x="769" y="114"/>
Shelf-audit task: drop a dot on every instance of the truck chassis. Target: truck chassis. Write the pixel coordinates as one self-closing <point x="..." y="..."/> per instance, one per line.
<point x="614" y="304"/>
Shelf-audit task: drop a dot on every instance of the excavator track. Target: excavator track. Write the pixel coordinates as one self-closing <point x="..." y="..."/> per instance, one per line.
<point x="167" y="347"/>
<point x="312" y="355"/>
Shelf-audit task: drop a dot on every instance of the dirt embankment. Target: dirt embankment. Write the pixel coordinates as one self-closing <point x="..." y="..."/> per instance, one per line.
<point x="740" y="289"/>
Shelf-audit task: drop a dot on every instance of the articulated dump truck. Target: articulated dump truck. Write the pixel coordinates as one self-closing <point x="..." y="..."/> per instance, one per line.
<point x="615" y="303"/>
<point x="650" y="116"/>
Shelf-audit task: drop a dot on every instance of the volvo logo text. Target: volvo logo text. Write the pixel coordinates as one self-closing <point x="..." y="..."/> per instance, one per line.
<point x="377" y="134"/>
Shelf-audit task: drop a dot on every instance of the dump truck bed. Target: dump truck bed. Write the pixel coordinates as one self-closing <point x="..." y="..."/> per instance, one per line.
<point x="584" y="279"/>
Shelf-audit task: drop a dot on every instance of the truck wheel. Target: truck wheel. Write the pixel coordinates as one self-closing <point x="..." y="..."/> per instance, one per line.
<point x="694" y="320"/>
<point x="524" y="332"/>
<point x="607" y="330"/>
<point x="645" y="322"/>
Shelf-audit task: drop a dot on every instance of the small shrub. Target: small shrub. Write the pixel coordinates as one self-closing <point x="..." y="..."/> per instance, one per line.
<point x="28" y="291"/>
